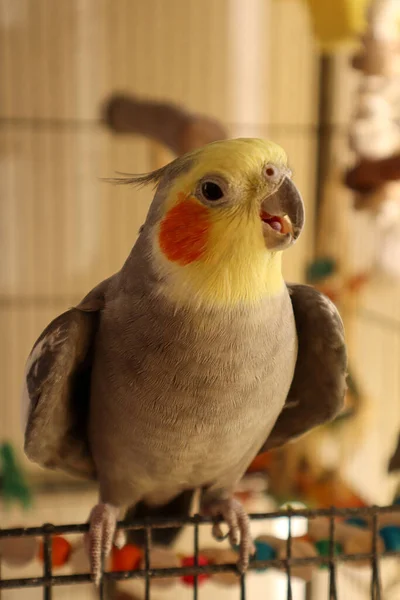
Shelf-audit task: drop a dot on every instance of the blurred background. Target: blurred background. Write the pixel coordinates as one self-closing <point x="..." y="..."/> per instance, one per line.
<point x="88" y="88"/>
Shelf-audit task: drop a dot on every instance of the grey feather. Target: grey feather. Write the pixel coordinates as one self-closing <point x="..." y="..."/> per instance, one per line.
<point x="319" y="383"/>
<point x="168" y="172"/>
<point x="171" y="382"/>
<point x="58" y="384"/>
<point x="58" y="374"/>
<point x="165" y="384"/>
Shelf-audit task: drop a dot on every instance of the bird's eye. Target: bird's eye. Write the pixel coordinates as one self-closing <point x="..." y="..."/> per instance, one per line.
<point x="211" y="191"/>
<point x="271" y="172"/>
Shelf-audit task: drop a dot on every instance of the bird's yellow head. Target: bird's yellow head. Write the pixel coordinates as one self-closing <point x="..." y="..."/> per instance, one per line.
<point x="220" y="219"/>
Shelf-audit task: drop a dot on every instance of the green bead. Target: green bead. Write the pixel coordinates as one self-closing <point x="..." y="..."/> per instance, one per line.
<point x="319" y="269"/>
<point x="324" y="549"/>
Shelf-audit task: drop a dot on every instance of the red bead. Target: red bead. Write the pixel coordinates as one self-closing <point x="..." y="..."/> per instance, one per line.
<point x="189" y="562"/>
<point x="126" y="558"/>
<point x="61" y="549"/>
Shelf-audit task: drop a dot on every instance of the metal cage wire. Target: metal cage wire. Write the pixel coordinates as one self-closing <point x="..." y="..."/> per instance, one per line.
<point x="48" y="581"/>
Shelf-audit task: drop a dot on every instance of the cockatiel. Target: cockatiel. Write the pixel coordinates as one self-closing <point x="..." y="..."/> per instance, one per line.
<point x="175" y="372"/>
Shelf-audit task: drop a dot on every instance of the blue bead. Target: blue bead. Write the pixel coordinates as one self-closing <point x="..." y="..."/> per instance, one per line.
<point x="264" y="552"/>
<point x="357" y="522"/>
<point x="396" y="500"/>
<point x="391" y="537"/>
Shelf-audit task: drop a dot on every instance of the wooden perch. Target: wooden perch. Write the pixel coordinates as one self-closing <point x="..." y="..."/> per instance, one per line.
<point x="368" y="175"/>
<point x="166" y="123"/>
<point x="394" y="462"/>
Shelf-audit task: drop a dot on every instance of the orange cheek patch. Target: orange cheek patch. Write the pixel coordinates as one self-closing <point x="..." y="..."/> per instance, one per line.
<point x="184" y="232"/>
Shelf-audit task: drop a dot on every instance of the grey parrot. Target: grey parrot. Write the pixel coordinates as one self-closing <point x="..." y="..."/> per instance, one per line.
<point x="173" y="374"/>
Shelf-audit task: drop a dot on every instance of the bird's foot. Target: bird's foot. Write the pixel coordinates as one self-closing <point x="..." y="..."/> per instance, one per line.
<point x="101" y="536"/>
<point x="238" y="523"/>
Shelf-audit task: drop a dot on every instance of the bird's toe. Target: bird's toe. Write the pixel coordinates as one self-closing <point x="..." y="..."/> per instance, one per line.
<point x="99" y="539"/>
<point x="235" y="516"/>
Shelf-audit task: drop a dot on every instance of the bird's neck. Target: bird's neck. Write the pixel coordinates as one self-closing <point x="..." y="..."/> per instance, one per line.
<point x="244" y="279"/>
<point x="233" y="275"/>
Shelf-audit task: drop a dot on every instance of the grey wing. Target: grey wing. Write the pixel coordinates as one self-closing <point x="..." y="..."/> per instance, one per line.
<point x="57" y="389"/>
<point x="319" y="382"/>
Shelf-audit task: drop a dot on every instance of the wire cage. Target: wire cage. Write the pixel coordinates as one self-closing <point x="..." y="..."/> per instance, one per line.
<point x="330" y="560"/>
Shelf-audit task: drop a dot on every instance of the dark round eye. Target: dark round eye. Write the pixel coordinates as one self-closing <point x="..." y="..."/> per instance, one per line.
<point x="211" y="191"/>
<point x="271" y="171"/>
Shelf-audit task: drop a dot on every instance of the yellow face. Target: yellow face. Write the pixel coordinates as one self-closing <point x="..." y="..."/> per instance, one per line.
<point x="221" y="229"/>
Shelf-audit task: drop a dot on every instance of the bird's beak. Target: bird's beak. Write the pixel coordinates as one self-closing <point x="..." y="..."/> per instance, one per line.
<point x="282" y="216"/>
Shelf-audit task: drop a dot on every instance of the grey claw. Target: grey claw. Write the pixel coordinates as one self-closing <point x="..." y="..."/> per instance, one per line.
<point x="238" y="522"/>
<point x="99" y="539"/>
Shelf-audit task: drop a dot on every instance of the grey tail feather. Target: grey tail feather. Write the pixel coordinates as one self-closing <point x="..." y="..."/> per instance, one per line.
<point x="180" y="506"/>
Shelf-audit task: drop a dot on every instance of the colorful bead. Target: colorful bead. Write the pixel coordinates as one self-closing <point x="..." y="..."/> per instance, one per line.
<point x="60" y="551"/>
<point x="320" y="269"/>
<point x="356" y="522"/>
<point x="323" y="548"/>
<point x="188" y="561"/>
<point x="391" y="537"/>
<point x="264" y="551"/>
<point x="126" y="558"/>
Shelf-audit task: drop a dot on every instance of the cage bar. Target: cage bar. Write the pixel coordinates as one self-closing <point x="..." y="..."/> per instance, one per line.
<point x="48" y="581"/>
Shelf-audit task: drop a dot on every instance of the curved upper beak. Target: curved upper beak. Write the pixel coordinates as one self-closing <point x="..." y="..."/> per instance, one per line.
<point x="282" y="215"/>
